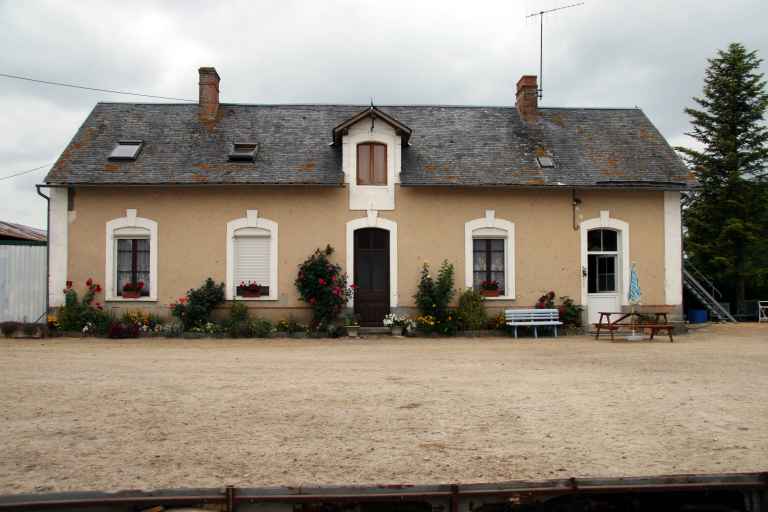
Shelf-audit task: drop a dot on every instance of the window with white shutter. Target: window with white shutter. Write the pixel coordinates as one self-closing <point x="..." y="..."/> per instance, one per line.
<point x="252" y="265"/>
<point x="252" y="243"/>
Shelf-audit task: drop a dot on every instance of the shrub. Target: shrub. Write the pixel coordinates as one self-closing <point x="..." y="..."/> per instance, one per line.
<point x="546" y="301"/>
<point x="9" y="328"/>
<point x="432" y="299"/>
<point x="239" y="329"/>
<point x="471" y="311"/>
<point x="195" y="309"/>
<point x="76" y="313"/>
<point x="172" y="329"/>
<point x="570" y="313"/>
<point x="323" y="286"/>
<point x="209" y="328"/>
<point x="238" y="312"/>
<point x="497" y="322"/>
<point x="261" y="328"/>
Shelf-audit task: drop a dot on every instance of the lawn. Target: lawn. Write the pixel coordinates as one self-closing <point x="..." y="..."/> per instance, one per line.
<point x="104" y="415"/>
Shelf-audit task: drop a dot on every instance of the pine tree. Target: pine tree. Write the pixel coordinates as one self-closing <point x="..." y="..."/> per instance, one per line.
<point x="726" y="219"/>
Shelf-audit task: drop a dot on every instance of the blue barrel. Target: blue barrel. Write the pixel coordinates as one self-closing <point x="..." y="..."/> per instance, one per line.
<point x="697" y="316"/>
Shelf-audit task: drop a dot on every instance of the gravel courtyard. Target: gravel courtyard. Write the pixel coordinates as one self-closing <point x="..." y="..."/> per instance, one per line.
<point x="107" y="415"/>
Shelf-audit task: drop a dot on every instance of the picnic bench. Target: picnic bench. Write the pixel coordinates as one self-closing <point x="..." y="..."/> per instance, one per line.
<point x="612" y="326"/>
<point x="533" y="318"/>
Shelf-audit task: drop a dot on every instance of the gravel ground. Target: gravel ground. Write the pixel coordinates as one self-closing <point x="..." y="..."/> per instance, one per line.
<point x="108" y="415"/>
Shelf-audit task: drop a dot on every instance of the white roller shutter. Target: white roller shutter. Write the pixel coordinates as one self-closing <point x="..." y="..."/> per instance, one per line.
<point x="252" y="260"/>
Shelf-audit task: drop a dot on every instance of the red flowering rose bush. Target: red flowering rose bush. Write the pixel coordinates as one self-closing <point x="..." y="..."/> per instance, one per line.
<point x="570" y="312"/>
<point x="77" y="313"/>
<point x="323" y="285"/>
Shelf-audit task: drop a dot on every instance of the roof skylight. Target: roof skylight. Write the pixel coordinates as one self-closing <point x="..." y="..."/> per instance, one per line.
<point x="546" y="162"/>
<point x="243" y="151"/>
<point x="126" y="150"/>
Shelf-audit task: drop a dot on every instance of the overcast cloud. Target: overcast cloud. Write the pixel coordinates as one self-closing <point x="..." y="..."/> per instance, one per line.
<point x="605" y="53"/>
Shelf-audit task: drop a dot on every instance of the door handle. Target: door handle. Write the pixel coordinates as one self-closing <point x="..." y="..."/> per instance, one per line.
<point x="583" y="271"/>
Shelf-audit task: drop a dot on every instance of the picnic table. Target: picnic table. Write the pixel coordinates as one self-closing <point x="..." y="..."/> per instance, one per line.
<point x="611" y="326"/>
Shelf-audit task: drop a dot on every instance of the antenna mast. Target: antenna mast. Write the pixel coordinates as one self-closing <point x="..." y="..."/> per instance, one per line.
<point x="541" y="41"/>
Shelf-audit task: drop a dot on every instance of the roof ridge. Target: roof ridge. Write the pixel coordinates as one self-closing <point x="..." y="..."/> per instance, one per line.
<point x="362" y="105"/>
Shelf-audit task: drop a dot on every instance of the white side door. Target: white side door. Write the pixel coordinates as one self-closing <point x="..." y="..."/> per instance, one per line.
<point x="603" y="274"/>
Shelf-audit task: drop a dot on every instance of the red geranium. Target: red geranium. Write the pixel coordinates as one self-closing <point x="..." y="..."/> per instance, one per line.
<point x="89" y="282"/>
<point x="69" y="285"/>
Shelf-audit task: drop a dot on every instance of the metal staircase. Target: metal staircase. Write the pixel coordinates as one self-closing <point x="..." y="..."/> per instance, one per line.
<point x="695" y="282"/>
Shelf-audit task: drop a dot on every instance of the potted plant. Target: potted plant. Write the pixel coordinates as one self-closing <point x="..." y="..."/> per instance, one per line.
<point x="397" y="323"/>
<point x="249" y="289"/>
<point x="352" y="326"/>
<point x="132" y="290"/>
<point x="489" y="288"/>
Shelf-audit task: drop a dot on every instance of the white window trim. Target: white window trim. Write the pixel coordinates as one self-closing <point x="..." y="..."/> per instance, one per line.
<point x="490" y="221"/>
<point x="129" y="221"/>
<point x="252" y="220"/>
<point x="372" y="220"/>
<point x="606" y="222"/>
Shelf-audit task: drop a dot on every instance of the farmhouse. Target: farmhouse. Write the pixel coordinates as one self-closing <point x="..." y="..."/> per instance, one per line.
<point x="533" y="198"/>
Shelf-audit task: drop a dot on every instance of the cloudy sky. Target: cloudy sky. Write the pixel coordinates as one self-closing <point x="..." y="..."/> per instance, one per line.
<point x="650" y="54"/>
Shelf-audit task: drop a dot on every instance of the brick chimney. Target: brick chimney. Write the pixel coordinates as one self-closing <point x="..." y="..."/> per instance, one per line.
<point x="528" y="97"/>
<point x="209" y="93"/>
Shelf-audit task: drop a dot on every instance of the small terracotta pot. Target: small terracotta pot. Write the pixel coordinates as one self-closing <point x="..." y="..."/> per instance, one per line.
<point x="489" y="293"/>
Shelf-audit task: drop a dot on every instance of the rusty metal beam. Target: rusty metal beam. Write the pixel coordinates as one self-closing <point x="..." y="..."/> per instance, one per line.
<point x="231" y="496"/>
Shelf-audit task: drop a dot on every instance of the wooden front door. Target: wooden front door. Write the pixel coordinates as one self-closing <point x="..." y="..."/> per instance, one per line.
<point x="371" y="275"/>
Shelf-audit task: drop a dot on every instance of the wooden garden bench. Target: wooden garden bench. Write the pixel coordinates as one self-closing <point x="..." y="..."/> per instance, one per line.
<point x="533" y="318"/>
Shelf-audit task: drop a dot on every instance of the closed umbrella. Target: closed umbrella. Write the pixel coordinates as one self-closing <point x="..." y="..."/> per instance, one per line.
<point x="634" y="297"/>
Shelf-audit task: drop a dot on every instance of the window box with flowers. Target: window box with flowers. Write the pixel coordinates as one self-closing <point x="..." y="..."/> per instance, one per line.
<point x="251" y="289"/>
<point x="133" y="290"/>
<point x="490" y="288"/>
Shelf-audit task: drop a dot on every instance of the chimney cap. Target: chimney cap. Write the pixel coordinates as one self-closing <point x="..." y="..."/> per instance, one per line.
<point x="527" y="81"/>
<point x="209" y="70"/>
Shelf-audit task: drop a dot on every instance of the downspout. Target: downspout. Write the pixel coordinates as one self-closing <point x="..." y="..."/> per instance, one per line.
<point x="47" y="253"/>
<point x="575" y="202"/>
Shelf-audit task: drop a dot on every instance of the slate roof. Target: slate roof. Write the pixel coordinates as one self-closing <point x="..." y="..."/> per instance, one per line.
<point x="450" y="146"/>
<point x="11" y="231"/>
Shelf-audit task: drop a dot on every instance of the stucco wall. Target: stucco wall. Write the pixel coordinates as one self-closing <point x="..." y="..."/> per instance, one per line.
<point x="192" y="235"/>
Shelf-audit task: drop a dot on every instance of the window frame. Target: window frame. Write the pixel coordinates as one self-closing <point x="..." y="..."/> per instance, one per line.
<point x="144" y="292"/>
<point x="243" y="151"/>
<point x="252" y="221"/>
<point x="490" y="227"/>
<point x="371" y="163"/>
<point x="489" y="251"/>
<point x="602" y="253"/>
<point x="139" y="145"/>
<point x="129" y="227"/>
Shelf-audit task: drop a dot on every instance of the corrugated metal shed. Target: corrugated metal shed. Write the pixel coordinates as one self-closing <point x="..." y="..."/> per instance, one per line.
<point x="22" y="282"/>
<point x="11" y="231"/>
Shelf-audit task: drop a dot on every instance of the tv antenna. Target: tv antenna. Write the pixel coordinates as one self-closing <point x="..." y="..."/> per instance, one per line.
<point x="541" y="14"/>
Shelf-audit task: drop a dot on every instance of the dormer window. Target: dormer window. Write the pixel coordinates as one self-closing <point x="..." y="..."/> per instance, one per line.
<point x="243" y="151"/>
<point x="126" y="150"/>
<point x="372" y="164"/>
<point x="546" y="162"/>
